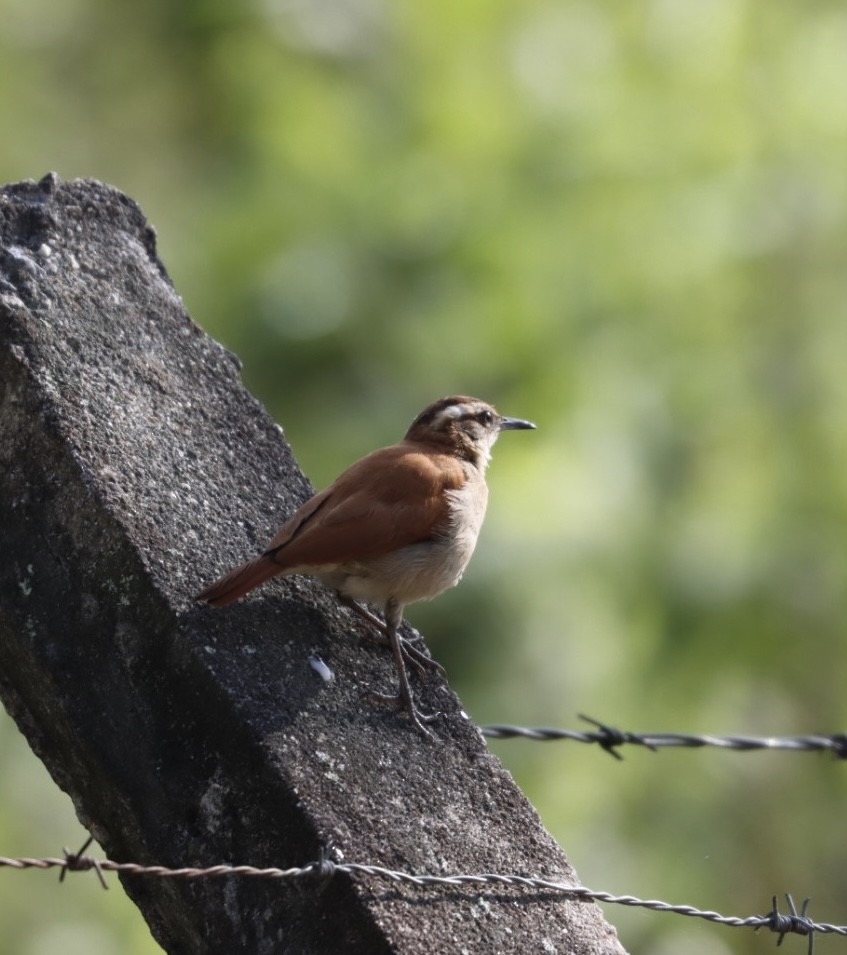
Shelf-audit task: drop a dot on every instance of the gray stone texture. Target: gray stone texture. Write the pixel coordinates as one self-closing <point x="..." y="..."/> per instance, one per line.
<point x="135" y="468"/>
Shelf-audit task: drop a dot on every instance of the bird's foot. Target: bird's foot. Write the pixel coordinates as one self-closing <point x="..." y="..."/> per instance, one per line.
<point x="414" y="656"/>
<point x="421" y="661"/>
<point x="404" y="700"/>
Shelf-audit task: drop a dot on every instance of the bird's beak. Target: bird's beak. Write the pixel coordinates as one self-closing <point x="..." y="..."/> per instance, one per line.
<point x="515" y="424"/>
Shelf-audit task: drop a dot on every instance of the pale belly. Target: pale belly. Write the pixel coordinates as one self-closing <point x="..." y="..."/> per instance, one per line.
<point x="418" y="572"/>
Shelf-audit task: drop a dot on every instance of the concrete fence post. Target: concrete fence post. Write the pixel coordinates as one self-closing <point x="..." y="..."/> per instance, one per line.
<point x="134" y="467"/>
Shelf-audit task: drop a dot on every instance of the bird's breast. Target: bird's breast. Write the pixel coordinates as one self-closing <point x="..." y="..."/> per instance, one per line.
<point x="466" y="509"/>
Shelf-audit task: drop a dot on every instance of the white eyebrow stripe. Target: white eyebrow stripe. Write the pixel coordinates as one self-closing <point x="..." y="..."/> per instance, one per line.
<point x="452" y="412"/>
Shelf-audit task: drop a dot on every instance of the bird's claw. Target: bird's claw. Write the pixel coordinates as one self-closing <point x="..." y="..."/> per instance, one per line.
<point x="419" y="660"/>
<point x="402" y="701"/>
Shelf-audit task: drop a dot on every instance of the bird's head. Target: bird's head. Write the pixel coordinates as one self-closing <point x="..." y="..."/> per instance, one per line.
<point x="466" y="427"/>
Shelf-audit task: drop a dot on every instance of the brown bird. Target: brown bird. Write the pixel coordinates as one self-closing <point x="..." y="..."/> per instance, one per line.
<point x="397" y="526"/>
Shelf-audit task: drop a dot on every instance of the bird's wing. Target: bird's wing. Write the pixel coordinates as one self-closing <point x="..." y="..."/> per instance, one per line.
<point x="389" y="499"/>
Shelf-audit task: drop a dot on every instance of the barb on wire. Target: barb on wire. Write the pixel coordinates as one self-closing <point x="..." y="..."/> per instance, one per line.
<point x="324" y="869"/>
<point x="610" y="737"/>
<point x="79" y="862"/>
<point x="792" y="921"/>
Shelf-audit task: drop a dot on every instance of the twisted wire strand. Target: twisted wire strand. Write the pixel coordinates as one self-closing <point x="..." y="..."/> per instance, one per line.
<point x="610" y="738"/>
<point x="782" y="923"/>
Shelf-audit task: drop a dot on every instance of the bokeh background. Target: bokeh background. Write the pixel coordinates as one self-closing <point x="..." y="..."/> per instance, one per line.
<point x="625" y="221"/>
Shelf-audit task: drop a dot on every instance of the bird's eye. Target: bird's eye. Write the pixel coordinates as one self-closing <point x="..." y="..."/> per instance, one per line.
<point x="486" y="418"/>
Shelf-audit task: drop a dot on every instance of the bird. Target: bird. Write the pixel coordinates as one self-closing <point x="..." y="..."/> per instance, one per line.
<point x="398" y="526"/>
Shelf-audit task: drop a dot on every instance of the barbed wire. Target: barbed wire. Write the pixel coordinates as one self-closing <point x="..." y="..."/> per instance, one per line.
<point x="781" y="923"/>
<point x="610" y="738"/>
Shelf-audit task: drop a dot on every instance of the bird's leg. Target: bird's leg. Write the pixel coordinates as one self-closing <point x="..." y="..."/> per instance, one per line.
<point x="417" y="658"/>
<point x="403" y="697"/>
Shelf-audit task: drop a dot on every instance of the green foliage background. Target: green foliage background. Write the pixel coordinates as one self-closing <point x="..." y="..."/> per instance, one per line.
<point x="626" y="221"/>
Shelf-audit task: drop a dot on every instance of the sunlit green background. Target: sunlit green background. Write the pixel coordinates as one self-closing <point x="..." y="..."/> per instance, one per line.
<point x="626" y="221"/>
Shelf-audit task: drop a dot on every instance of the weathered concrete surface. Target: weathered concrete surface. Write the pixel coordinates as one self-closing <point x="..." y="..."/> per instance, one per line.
<point x="134" y="467"/>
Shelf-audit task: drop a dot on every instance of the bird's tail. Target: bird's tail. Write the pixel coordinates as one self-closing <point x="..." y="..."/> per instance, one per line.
<point x="239" y="581"/>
